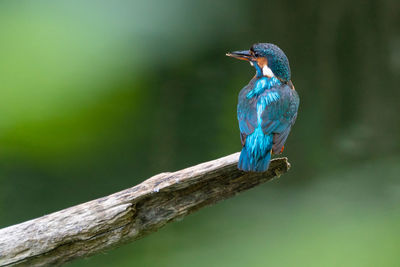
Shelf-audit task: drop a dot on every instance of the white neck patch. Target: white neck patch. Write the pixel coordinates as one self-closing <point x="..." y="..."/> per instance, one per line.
<point x="267" y="71"/>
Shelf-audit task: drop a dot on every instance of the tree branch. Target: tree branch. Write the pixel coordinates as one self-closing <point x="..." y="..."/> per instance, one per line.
<point x="128" y="215"/>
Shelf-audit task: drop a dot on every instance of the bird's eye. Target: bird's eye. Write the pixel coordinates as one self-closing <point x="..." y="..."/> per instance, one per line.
<point x="253" y="52"/>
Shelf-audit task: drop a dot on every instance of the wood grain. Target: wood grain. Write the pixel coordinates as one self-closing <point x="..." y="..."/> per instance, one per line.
<point x="101" y="224"/>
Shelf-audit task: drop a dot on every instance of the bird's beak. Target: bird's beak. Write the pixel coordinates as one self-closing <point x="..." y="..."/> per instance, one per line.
<point x="242" y="55"/>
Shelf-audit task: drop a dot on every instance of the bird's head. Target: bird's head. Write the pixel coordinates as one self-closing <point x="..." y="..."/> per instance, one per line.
<point x="268" y="59"/>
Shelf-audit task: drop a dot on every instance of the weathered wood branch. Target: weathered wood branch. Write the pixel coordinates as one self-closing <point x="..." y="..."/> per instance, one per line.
<point x="128" y="215"/>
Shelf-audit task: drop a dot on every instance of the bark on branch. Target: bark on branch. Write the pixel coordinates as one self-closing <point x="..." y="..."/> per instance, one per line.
<point x="128" y="215"/>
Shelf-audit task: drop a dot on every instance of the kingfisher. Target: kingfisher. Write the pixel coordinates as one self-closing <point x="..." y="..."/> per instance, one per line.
<point x="267" y="106"/>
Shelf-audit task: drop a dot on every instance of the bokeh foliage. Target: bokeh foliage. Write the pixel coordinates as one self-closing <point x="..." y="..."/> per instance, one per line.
<point x="96" y="96"/>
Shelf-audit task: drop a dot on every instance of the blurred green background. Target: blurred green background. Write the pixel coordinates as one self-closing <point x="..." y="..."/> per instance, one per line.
<point x="96" y="96"/>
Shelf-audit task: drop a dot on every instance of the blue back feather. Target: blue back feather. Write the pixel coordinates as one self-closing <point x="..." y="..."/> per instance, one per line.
<point x="266" y="108"/>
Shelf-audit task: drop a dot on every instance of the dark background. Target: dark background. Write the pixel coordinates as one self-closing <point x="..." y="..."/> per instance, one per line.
<point x="96" y="96"/>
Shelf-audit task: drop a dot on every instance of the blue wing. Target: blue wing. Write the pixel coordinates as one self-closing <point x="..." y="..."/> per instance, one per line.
<point x="279" y="116"/>
<point x="280" y="105"/>
<point x="246" y="112"/>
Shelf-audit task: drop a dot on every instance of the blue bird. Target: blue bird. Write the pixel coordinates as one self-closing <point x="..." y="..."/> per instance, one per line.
<point x="267" y="107"/>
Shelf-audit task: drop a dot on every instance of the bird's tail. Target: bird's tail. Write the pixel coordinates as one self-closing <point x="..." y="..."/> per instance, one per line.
<point x="248" y="163"/>
<point x="256" y="153"/>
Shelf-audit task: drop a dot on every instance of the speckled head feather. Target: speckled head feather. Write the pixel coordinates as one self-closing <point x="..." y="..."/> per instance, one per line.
<point x="277" y="60"/>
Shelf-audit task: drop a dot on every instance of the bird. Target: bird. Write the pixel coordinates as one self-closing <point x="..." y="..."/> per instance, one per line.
<point x="267" y="106"/>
